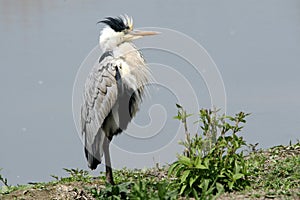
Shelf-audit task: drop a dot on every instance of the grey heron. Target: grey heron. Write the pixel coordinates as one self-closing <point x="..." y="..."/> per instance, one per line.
<point x="113" y="90"/>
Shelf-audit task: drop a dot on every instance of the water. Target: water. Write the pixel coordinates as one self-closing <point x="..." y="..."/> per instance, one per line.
<point x="254" y="44"/>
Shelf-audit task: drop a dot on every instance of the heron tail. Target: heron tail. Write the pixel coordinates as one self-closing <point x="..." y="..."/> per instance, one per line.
<point x="94" y="151"/>
<point x="93" y="162"/>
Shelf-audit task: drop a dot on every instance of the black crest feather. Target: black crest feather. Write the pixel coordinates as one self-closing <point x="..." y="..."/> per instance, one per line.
<point x="117" y="23"/>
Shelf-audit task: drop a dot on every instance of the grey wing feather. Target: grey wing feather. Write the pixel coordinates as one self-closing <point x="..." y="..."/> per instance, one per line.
<point x="100" y="95"/>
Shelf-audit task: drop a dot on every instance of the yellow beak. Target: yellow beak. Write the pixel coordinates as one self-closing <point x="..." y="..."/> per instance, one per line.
<point x="142" y="33"/>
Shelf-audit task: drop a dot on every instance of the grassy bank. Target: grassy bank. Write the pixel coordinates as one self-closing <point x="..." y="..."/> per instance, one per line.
<point x="275" y="175"/>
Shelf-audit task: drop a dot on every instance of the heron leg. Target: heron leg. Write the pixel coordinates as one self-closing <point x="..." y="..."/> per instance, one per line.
<point x="108" y="169"/>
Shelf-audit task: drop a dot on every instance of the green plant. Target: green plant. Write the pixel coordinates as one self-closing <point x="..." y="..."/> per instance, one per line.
<point x="144" y="190"/>
<point x="3" y="180"/>
<point x="74" y="175"/>
<point x="6" y="189"/>
<point x="111" y="192"/>
<point x="78" y="175"/>
<point x="211" y="165"/>
<point x="137" y="184"/>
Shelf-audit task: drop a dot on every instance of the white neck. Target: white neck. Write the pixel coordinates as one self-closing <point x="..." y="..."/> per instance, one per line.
<point x="109" y="39"/>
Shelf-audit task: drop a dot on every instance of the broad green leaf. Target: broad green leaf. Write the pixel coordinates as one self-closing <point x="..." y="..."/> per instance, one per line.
<point x="230" y="185"/>
<point x="195" y="193"/>
<point x="179" y="170"/>
<point x="200" y="166"/>
<point x="182" y="189"/>
<point x="172" y="168"/>
<point x="184" y="176"/>
<point x="206" y="163"/>
<point x="220" y="188"/>
<point x="238" y="176"/>
<point x="204" y="185"/>
<point x="221" y="176"/>
<point x="184" y="160"/>
<point x="192" y="180"/>
<point x="236" y="167"/>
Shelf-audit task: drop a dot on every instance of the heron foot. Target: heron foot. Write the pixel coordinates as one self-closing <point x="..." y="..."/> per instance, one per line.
<point x="109" y="179"/>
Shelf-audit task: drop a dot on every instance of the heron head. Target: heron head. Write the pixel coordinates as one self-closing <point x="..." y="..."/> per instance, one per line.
<point x="119" y="30"/>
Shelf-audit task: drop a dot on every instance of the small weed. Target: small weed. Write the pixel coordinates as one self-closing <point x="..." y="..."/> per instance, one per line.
<point x="6" y="189"/>
<point x="137" y="184"/>
<point x="3" y="180"/>
<point x="211" y="165"/>
<point x="120" y="191"/>
<point x="74" y="175"/>
<point x="146" y="190"/>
